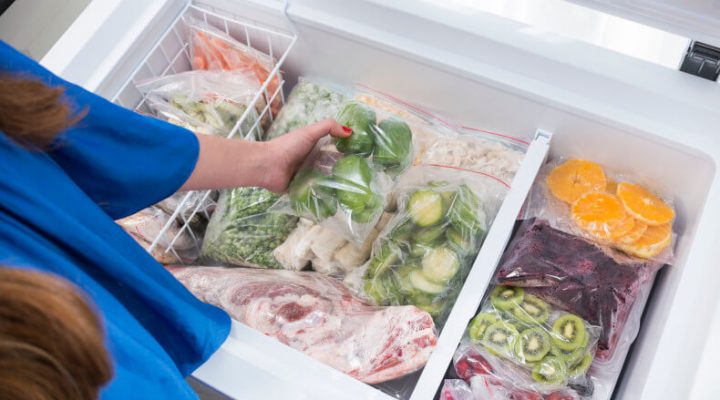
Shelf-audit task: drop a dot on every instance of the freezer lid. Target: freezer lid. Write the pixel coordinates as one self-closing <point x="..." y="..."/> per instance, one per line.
<point x="694" y="19"/>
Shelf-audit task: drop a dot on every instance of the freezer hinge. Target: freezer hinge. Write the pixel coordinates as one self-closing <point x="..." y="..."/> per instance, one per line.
<point x="702" y="60"/>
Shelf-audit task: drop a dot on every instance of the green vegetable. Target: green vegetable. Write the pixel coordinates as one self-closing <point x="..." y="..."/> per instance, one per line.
<point x="311" y="195"/>
<point x="403" y="231"/>
<point x="353" y="168"/>
<point x="367" y="213"/>
<point x="462" y="242"/>
<point x="352" y="176"/>
<point x="389" y="255"/>
<point x="393" y="142"/>
<point x="418" y="250"/>
<point x="221" y="116"/>
<point x="440" y="265"/>
<point x="430" y="236"/>
<point x="360" y="119"/>
<point x="242" y="232"/>
<point x="466" y="212"/>
<point x="426" y="207"/>
<point x="383" y="289"/>
<point x="421" y="282"/>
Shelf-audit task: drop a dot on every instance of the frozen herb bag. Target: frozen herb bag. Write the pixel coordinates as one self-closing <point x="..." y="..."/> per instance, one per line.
<point x="207" y="102"/>
<point x="243" y="232"/>
<point x="425" y="252"/>
<point x="319" y="316"/>
<point x="215" y="49"/>
<point x="611" y="208"/>
<point x="310" y="101"/>
<point x="532" y="345"/>
<point x="594" y="282"/>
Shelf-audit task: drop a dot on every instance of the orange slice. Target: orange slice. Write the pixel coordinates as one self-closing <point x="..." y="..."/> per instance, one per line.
<point x="644" y="205"/>
<point x="655" y="239"/>
<point x="602" y="215"/>
<point x="633" y="234"/>
<point x="611" y="187"/>
<point x="573" y="178"/>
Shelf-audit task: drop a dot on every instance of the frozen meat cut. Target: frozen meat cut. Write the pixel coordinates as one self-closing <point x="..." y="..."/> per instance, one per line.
<point x="319" y="316"/>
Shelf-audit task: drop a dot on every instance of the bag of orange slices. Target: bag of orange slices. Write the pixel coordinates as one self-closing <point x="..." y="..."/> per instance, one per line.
<point x="582" y="197"/>
<point x="213" y="49"/>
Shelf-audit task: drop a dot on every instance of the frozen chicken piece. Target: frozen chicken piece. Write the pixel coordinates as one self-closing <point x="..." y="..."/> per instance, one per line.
<point x="325" y="243"/>
<point x="294" y="254"/>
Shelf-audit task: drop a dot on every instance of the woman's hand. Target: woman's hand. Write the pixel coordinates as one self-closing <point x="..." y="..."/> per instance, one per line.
<point x="286" y="153"/>
<point x="229" y="163"/>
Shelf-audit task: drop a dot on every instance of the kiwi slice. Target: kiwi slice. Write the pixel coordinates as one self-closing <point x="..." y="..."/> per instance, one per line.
<point x="505" y="298"/>
<point x="480" y="323"/>
<point x="550" y="371"/>
<point x="580" y="367"/>
<point x="532" y="345"/>
<point x="532" y="310"/>
<point x="499" y="338"/>
<point x="570" y="357"/>
<point x="568" y="332"/>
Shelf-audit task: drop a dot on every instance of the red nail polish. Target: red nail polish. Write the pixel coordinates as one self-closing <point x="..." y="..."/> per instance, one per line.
<point x="346" y="129"/>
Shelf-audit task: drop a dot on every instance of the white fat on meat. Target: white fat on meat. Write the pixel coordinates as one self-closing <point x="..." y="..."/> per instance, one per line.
<point x="319" y="316"/>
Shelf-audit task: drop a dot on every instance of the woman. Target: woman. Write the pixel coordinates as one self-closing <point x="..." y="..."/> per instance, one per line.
<point x="72" y="163"/>
<point x="51" y="341"/>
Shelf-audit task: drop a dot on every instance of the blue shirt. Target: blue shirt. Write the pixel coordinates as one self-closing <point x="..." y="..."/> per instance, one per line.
<point x="57" y="212"/>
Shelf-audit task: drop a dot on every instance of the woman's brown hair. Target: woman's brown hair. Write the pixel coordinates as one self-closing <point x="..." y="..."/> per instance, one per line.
<point x="51" y="340"/>
<point x="33" y="113"/>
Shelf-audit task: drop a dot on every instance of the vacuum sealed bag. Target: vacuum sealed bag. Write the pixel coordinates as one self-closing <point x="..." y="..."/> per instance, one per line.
<point x="213" y="49"/>
<point x="319" y="316"/>
<point x="578" y="276"/>
<point x="531" y="345"/>
<point x="426" y="250"/>
<point x="207" y="102"/>
<point x="243" y="231"/>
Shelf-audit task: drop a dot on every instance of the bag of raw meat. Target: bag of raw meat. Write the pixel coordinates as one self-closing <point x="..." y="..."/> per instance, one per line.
<point x="524" y="343"/>
<point x="145" y="226"/>
<point x="595" y="282"/>
<point x="585" y="199"/>
<point x="213" y="49"/>
<point x="426" y="250"/>
<point x="207" y="102"/>
<point x="319" y="316"/>
<point x="243" y="231"/>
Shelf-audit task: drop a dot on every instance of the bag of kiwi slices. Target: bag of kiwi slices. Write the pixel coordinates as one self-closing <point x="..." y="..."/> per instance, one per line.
<point x="531" y="345"/>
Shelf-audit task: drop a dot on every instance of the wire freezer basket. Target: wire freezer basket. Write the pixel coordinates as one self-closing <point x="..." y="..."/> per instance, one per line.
<point x="171" y="55"/>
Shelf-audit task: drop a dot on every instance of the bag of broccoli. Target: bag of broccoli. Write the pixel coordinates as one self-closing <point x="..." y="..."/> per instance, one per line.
<point x="207" y="102"/>
<point x="426" y="251"/>
<point x="243" y="232"/>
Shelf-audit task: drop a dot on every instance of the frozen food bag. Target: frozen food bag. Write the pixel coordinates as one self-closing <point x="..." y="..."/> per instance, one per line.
<point x="310" y="101"/>
<point x="425" y="252"/>
<point x="345" y="181"/>
<point x="243" y="231"/>
<point x="207" y="102"/>
<point x="584" y="198"/>
<point x="319" y="316"/>
<point x="146" y="225"/>
<point x="594" y="282"/>
<point x="213" y="49"/>
<point x="443" y="143"/>
<point x="530" y="345"/>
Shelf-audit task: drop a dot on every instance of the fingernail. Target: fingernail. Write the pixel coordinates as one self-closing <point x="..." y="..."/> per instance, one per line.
<point x="346" y="129"/>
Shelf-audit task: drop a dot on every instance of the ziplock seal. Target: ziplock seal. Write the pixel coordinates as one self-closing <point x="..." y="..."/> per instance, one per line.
<point x="468" y="170"/>
<point x="427" y="113"/>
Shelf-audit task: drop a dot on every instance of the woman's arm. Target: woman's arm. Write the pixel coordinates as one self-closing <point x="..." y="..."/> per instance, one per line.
<point x="225" y="163"/>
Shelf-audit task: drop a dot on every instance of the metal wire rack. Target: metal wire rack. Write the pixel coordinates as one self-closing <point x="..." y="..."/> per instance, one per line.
<point x="171" y="55"/>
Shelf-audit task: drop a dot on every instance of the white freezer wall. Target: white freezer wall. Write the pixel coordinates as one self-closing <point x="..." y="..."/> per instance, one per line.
<point x="500" y="75"/>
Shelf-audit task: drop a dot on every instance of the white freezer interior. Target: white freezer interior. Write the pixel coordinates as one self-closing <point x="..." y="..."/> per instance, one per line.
<point x="487" y="72"/>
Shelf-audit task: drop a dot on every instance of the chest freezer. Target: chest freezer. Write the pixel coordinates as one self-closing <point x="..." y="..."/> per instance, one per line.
<point x="563" y="97"/>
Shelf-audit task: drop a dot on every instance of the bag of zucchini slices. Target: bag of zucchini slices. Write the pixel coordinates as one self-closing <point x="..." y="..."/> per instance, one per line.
<point x="344" y="183"/>
<point x="526" y="344"/>
<point x="426" y="251"/>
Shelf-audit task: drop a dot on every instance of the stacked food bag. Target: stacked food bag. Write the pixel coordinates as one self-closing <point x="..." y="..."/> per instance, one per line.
<point x="581" y="268"/>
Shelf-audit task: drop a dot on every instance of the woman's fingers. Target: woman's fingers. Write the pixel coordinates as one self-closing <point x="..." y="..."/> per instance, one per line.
<point x="322" y="128"/>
